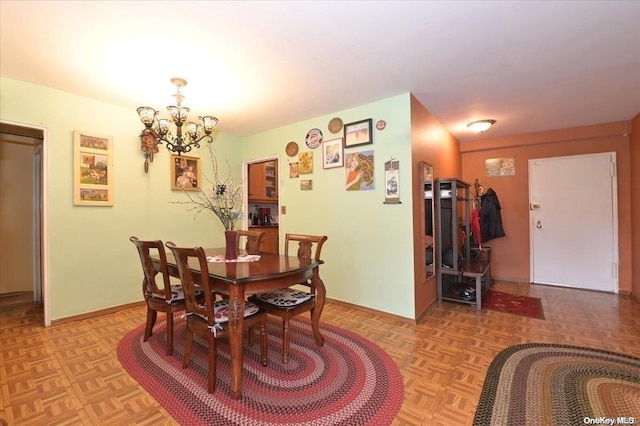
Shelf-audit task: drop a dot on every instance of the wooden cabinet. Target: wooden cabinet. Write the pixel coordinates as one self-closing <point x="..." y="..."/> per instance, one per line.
<point x="263" y="182"/>
<point x="270" y="241"/>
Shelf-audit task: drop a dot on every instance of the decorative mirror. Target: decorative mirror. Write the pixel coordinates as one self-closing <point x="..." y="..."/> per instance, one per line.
<point x="427" y="178"/>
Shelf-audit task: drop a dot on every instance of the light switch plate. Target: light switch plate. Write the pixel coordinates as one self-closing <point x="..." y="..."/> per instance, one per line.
<point x="283" y="209"/>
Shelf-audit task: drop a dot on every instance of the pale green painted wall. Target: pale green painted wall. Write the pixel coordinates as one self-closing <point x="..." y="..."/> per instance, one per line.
<point x="93" y="266"/>
<point x="369" y="253"/>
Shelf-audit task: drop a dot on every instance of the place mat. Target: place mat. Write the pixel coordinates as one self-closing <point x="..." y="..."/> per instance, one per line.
<point x="241" y="258"/>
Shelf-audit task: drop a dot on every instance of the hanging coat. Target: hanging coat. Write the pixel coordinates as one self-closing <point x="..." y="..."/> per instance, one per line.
<point x="490" y="216"/>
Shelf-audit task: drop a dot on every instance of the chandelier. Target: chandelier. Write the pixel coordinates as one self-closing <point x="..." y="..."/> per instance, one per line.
<point x="161" y="127"/>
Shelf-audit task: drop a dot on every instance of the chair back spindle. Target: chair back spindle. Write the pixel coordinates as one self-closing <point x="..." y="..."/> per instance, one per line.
<point x="253" y="240"/>
<point x="149" y="285"/>
<point x="190" y="280"/>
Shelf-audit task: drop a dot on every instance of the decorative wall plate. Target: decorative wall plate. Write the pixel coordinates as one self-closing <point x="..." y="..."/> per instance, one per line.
<point x="335" y="125"/>
<point x="291" y="149"/>
<point x="314" y="138"/>
<point x="381" y="124"/>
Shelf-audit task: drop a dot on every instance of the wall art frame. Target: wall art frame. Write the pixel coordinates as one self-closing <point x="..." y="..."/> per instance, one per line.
<point x="306" y="185"/>
<point x="500" y="166"/>
<point x="93" y="173"/>
<point x="359" y="171"/>
<point x="293" y="170"/>
<point x="332" y="153"/>
<point x="392" y="182"/>
<point x="185" y="173"/>
<point x="305" y="163"/>
<point x="358" y="133"/>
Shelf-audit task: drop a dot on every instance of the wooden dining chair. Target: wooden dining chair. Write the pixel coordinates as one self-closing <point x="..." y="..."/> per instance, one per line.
<point x="289" y="302"/>
<point x="165" y="297"/>
<point x="209" y="319"/>
<point x="253" y="240"/>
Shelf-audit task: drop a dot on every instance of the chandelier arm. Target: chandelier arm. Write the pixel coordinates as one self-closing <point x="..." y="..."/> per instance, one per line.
<point x="179" y="114"/>
<point x="203" y="137"/>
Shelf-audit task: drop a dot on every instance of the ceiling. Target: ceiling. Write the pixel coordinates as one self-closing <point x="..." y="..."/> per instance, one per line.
<point x="532" y="66"/>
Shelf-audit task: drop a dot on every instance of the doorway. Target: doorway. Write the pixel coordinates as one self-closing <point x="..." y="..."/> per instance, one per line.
<point x="21" y="215"/>
<point x="574" y="221"/>
<point x="261" y="200"/>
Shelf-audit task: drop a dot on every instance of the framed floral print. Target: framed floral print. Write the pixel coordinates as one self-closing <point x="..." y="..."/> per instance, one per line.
<point x="305" y="163"/>
<point x="185" y="173"/>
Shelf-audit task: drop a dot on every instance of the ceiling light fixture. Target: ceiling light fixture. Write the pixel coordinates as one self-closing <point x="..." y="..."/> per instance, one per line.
<point x="481" y="125"/>
<point x="195" y="132"/>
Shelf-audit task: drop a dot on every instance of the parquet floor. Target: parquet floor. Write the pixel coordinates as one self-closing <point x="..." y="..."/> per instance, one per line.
<point x="70" y="374"/>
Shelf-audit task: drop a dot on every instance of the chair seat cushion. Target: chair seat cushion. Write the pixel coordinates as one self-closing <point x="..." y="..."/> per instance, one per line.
<point x="177" y="295"/>
<point x="221" y="311"/>
<point x="284" y="297"/>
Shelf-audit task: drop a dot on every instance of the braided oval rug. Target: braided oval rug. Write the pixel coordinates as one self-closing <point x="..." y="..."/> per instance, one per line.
<point x="547" y="384"/>
<point x="348" y="381"/>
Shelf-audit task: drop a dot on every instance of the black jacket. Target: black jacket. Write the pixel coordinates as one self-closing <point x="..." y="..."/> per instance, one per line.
<point x="490" y="217"/>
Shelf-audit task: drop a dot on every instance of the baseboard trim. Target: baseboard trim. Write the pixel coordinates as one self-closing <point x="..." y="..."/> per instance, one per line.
<point x="371" y="310"/>
<point x="97" y="313"/>
<point x="510" y="280"/>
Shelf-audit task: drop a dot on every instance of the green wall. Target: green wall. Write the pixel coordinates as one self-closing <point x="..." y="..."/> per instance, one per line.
<point x="369" y="251"/>
<point x="93" y="266"/>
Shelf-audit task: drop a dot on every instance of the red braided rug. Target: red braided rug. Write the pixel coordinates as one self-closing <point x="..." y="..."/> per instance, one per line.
<point x="349" y="381"/>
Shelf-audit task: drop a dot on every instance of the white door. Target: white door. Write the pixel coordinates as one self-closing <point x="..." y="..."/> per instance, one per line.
<point x="574" y="221"/>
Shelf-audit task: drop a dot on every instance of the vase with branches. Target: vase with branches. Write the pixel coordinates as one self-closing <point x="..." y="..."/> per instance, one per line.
<point x="224" y="199"/>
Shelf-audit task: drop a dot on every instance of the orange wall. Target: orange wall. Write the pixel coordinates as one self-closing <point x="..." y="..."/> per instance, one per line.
<point x="433" y="144"/>
<point x="635" y="207"/>
<point x="510" y="254"/>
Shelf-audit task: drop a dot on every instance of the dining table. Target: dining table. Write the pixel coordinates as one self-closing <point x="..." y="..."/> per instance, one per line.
<point x="240" y="279"/>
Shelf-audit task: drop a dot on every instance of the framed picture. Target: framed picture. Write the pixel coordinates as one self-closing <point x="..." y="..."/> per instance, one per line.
<point x="306" y="184"/>
<point x="392" y="182"/>
<point x="500" y="166"/>
<point x="185" y="173"/>
<point x="358" y="133"/>
<point x="305" y="163"/>
<point x="359" y="171"/>
<point x="92" y="169"/>
<point x="332" y="154"/>
<point x="293" y="170"/>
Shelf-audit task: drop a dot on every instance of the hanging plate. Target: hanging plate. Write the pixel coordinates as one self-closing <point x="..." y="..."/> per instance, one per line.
<point x="381" y="124"/>
<point x="314" y="138"/>
<point x="335" y="125"/>
<point x="291" y="149"/>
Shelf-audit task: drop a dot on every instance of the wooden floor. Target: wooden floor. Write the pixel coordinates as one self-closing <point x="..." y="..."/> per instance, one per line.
<point x="70" y="374"/>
